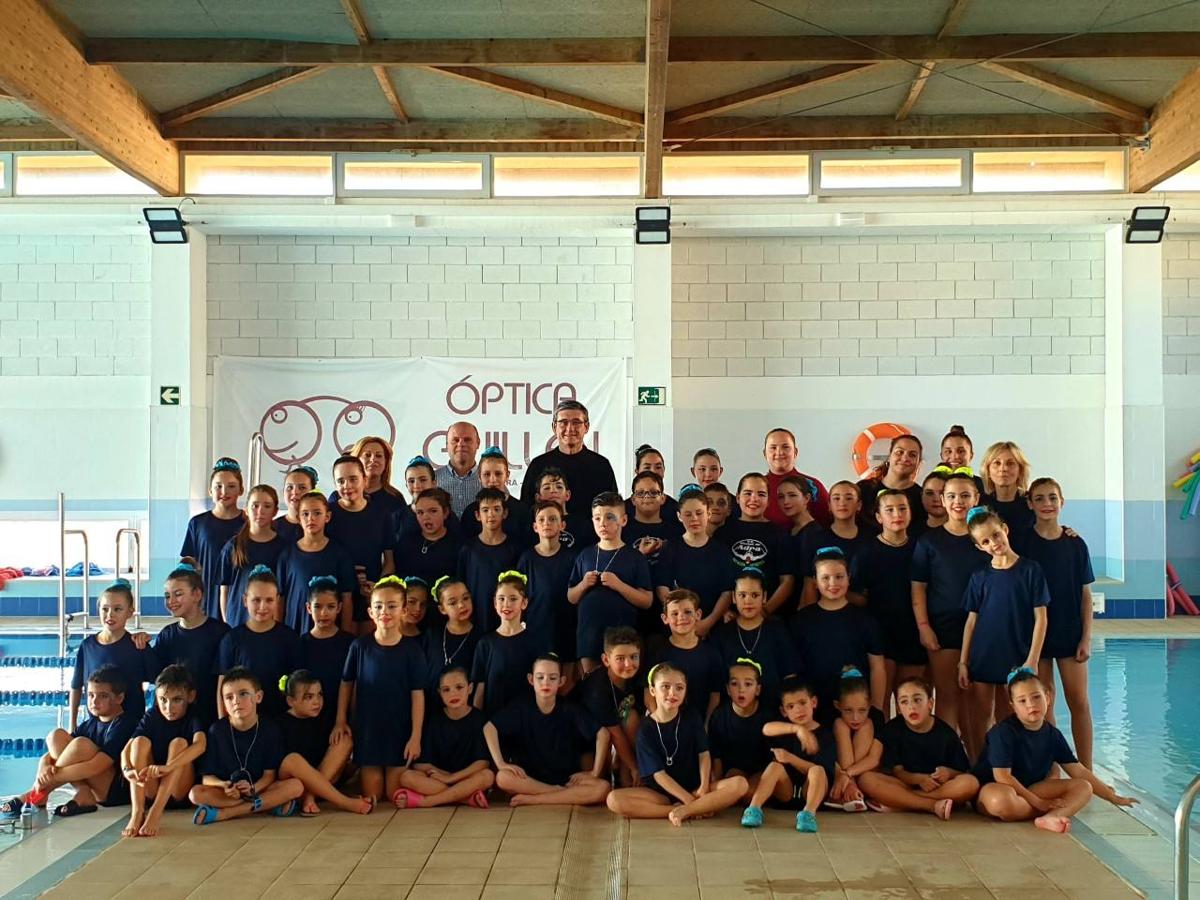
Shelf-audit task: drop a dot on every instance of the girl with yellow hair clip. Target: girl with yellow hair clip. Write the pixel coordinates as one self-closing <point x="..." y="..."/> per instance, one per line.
<point x="504" y="657"/>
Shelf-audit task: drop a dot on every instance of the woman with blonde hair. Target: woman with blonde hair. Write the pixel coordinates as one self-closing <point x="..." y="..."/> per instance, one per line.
<point x="1005" y="471"/>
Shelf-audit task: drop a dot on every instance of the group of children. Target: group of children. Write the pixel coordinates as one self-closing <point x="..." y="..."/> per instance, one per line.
<point x="777" y="626"/>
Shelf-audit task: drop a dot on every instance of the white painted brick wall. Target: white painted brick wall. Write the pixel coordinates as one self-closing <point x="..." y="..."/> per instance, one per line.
<point x="897" y="305"/>
<point x="1181" y="305"/>
<point x="400" y="297"/>
<point x="74" y="305"/>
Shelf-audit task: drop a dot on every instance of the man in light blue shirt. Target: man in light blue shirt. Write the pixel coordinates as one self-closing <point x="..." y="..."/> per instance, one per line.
<point x="460" y="477"/>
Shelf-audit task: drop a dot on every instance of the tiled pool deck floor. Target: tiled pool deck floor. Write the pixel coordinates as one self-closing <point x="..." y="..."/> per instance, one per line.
<point x="530" y="853"/>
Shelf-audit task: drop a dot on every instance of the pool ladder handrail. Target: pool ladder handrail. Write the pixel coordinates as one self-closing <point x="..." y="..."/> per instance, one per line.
<point x="63" y="616"/>
<point x="1183" y="814"/>
<point x="137" y="570"/>
<point x="254" y="460"/>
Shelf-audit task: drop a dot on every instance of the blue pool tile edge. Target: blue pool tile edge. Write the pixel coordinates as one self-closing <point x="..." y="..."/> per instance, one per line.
<point x="70" y="861"/>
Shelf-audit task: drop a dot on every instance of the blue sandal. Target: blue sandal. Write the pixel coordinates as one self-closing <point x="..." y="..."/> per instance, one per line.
<point x="752" y="817"/>
<point x="205" y="815"/>
<point x="286" y="809"/>
<point x="806" y="822"/>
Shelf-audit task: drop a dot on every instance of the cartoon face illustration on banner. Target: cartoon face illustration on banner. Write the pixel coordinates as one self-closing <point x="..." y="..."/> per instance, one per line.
<point x="293" y="430"/>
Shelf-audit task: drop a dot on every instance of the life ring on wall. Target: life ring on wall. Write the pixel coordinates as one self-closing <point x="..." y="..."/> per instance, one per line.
<point x="860" y="450"/>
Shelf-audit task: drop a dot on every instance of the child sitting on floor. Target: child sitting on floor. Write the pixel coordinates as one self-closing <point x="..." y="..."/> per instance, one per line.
<point x="86" y="758"/>
<point x="158" y="762"/>
<point x="244" y="752"/>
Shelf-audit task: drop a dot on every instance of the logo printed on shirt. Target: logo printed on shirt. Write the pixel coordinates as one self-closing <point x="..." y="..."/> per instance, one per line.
<point x="749" y="551"/>
<point x="566" y="539"/>
<point x="645" y="541"/>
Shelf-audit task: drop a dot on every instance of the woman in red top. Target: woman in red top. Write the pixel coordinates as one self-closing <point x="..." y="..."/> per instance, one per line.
<point x="779" y="450"/>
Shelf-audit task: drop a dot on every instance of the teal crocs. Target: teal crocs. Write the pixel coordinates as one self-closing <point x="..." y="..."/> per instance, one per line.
<point x="806" y="822"/>
<point x="752" y="817"/>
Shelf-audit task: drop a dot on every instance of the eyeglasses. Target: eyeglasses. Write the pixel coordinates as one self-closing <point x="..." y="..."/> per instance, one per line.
<point x="571" y="423"/>
<point x="647" y="495"/>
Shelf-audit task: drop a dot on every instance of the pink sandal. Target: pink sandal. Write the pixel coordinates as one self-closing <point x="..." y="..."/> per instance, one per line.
<point x="412" y="799"/>
<point x="478" y="800"/>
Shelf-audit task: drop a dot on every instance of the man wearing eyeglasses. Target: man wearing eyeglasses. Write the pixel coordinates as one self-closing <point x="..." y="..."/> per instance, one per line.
<point x="588" y="473"/>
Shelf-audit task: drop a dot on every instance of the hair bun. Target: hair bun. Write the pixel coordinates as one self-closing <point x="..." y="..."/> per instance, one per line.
<point x="260" y="569"/>
<point x="957" y="430"/>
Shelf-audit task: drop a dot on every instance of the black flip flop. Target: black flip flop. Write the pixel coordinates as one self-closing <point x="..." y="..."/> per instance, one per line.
<point x="73" y="808"/>
<point x="11" y="807"/>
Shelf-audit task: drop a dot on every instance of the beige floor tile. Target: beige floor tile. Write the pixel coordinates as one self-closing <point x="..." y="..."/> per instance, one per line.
<point x="811" y="892"/>
<point x="931" y="870"/>
<point x="487" y="843"/>
<point x="300" y="891"/>
<point x="662" y="876"/>
<point x="796" y="868"/>
<point x="407" y="843"/>
<point x="518" y="892"/>
<point x="383" y="875"/>
<point x="452" y="875"/>
<point x="1047" y="893"/>
<point x="858" y="871"/>
<point x="452" y="858"/>
<point x="369" y="892"/>
<point x="883" y="893"/>
<point x="73" y="889"/>
<point x="327" y="872"/>
<point x="246" y="890"/>
<point x="956" y="893"/>
<point x="1112" y="892"/>
<point x="167" y="891"/>
<point x="531" y="875"/>
<point x="731" y="875"/>
<point x="732" y="892"/>
<point x="997" y="871"/>
<point x="668" y="892"/>
<point x="445" y="892"/>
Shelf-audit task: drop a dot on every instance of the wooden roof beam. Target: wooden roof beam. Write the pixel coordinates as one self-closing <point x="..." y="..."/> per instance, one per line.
<point x="41" y="67"/>
<point x="239" y="93"/>
<point x="658" y="37"/>
<point x="1174" y="138"/>
<point x="423" y="130"/>
<point x="358" y="23"/>
<point x="772" y="90"/>
<point x="1066" y="87"/>
<point x="631" y="51"/>
<point x="958" y="8"/>
<point x="528" y="90"/>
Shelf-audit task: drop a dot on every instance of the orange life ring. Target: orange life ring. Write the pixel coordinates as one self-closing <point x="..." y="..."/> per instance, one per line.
<point x="861" y="448"/>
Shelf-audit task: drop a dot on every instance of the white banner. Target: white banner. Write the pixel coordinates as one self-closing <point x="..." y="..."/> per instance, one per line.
<point x="312" y="410"/>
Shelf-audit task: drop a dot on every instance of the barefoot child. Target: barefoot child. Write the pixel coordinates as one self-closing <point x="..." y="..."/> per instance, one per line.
<point x="112" y="645"/>
<point x="455" y="765"/>
<point x="1006" y="623"/>
<point x="805" y="755"/>
<point x="158" y="762"/>
<point x="384" y="685"/>
<point x="856" y="733"/>
<point x="1017" y="760"/>
<point x="241" y="759"/>
<point x="546" y="740"/>
<point x="735" y="731"/>
<point x="673" y="761"/>
<point x="610" y="582"/>
<point x="610" y="695"/>
<point x="86" y="758"/>
<point x="193" y="640"/>
<point x="504" y="657"/>
<point x="924" y="766"/>
<point x="698" y="660"/>
<point x="314" y="756"/>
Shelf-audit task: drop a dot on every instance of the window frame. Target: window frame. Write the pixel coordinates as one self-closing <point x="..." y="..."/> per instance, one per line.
<point x="14" y="177"/>
<point x="817" y="157"/>
<point x="641" y="168"/>
<point x="1121" y="189"/>
<point x="8" y="161"/>
<point x="339" y="170"/>
<point x="808" y="175"/>
<point x="185" y="155"/>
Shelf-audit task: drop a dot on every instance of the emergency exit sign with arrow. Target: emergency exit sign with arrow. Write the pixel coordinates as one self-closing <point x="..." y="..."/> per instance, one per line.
<point x="168" y="395"/>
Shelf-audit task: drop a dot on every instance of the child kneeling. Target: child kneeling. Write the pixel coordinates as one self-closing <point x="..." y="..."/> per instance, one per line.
<point x="924" y="767"/>
<point x="673" y="760"/>
<point x="1019" y="754"/>
<point x="158" y="760"/>
<point x="548" y="740"/>
<point x="244" y="752"/>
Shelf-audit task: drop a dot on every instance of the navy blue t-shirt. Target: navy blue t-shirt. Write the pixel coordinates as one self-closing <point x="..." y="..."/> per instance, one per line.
<point x="289" y="531"/>
<point x="268" y="654"/>
<point x="325" y="658"/>
<point x="601" y="607"/>
<point x="1005" y="600"/>
<point x="110" y="737"/>
<point x="668" y="513"/>
<point x="761" y="544"/>
<point x="1029" y="754"/>
<point x="881" y="572"/>
<point x="430" y="560"/>
<point x="479" y="566"/>
<point x="921" y="753"/>
<point x="138" y="667"/>
<point x="234" y="577"/>
<point x="709" y="571"/>
<point x="205" y="538"/>
<point x="501" y="665"/>
<point x="819" y="538"/>
<point x="548" y="746"/>
<point x="232" y="755"/>
<point x="398" y="513"/>
<point x="549" y="615"/>
<point x="681" y="741"/>
<point x="297" y="567"/>
<point x="161" y="731"/>
<point x="443" y="648"/>
<point x="769" y="645"/>
<point x="635" y="532"/>
<point x="453" y="744"/>
<point x="607" y="704"/>
<point x="518" y="523"/>
<point x="1067" y="565"/>
<point x="944" y="563"/>
<point x="384" y="680"/>
<point x="1016" y="512"/>
<point x="701" y="665"/>
<point x="738" y="741"/>
<point x="308" y="737"/>
<point x="869" y="489"/>
<point x="195" y="648"/>
<point x="826" y="755"/>
<point x="829" y="639"/>
<point x="364" y="534"/>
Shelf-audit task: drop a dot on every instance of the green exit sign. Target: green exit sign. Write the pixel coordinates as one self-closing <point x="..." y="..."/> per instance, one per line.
<point x="652" y="396"/>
